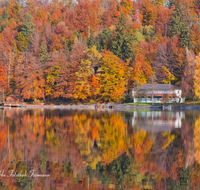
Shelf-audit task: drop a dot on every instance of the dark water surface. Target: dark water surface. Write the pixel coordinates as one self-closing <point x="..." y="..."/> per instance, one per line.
<point x="66" y="149"/>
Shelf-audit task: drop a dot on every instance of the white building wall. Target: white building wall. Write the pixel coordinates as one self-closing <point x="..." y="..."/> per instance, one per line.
<point x="177" y="92"/>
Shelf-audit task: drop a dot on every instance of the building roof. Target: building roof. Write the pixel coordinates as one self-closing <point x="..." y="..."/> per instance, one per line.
<point x="158" y="87"/>
<point x="15" y="96"/>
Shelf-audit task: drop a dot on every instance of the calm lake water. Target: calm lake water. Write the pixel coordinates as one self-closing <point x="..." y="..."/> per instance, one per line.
<point x="67" y="149"/>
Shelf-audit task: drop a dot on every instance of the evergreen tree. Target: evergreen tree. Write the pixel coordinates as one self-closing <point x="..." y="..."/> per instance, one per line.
<point x="122" y="43"/>
<point x="90" y="40"/>
<point x="44" y="54"/>
<point x="179" y="25"/>
<point x="28" y="26"/>
<point x="5" y="15"/>
<point x="105" y="38"/>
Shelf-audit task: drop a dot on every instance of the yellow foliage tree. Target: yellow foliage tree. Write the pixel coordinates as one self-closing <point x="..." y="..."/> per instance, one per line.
<point x="197" y="77"/>
<point x="86" y="82"/>
<point x="112" y="75"/>
<point x="83" y="75"/>
<point x="93" y="55"/>
<point x="168" y="75"/>
<point x="128" y="7"/>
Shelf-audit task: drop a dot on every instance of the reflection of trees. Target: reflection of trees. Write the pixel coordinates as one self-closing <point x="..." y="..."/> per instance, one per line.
<point x="77" y="146"/>
<point x="196" y="140"/>
<point x="184" y="180"/>
<point x="102" y="138"/>
<point x="170" y="158"/>
<point x="31" y="144"/>
<point x="121" y="173"/>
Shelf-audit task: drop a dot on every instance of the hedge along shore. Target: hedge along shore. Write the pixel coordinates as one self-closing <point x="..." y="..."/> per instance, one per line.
<point x="110" y="107"/>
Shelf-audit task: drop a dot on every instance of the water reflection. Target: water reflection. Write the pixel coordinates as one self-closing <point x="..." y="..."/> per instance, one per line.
<point x="158" y="120"/>
<point x="100" y="150"/>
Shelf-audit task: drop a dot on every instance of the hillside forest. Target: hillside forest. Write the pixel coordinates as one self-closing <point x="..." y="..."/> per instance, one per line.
<point x="97" y="50"/>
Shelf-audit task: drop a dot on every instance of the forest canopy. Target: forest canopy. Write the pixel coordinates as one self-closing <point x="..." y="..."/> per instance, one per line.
<point x="97" y="50"/>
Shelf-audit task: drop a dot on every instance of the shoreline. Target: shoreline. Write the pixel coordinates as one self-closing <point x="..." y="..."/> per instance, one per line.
<point x="113" y="107"/>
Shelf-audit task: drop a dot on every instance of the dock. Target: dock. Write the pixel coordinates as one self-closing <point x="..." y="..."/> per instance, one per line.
<point x="12" y="104"/>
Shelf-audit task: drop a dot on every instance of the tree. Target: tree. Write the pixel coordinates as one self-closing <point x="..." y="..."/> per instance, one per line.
<point x="28" y="26"/>
<point x="105" y="39"/>
<point x="22" y="41"/>
<point x="44" y="53"/>
<point x="187" y="81"/>
<point x="160" y="3"/>
<point x="94" y="57"/>
<point x="168" y="76"/>
<point x="197" y="77"/>
<point x="128" y="7"/>
<point x="83" y="76"/>
<point x="162" y="23"/>
<point x="112" y="76"/>
<point x="150" y="13"/>
<point x="53" y="71"/>
<point x="68" y="72"/>
<point x="5" y="15"/>
<point x="90" y="39"/>
<point x="6" y="56"/>
<point x="3" y="77"/>
<point x="87" y="14"/>
<point x="166" y="57"/>
<point x="179" y="25"/>
<point x="122" y="45"/>
<point x="142" y="69"/>
<point x="29" y="77"/>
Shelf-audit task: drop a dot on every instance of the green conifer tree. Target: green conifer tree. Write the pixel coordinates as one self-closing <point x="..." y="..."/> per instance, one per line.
<point x="104" y="38"/>
<point x="44" y="54"/>
<point x="90" y="40"/>
<point x="28" y="26"/>
<point x="122" y="43"/>
<point x="5" y="15"/>
<point x="180" y="25"/>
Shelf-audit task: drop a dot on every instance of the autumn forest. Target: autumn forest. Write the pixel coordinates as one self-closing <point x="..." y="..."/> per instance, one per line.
<point x="97" y="51"/>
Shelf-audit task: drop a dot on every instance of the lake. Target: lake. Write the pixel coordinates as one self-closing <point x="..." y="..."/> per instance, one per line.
<point x="69" y="149"/>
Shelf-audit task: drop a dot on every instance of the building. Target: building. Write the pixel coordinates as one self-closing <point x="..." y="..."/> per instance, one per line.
<point x="160" y="92"/>
<point x="13" y="100"/>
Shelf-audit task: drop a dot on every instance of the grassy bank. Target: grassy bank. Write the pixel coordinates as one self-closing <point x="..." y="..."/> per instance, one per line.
<point x="186" y="103"/>
<point x="190" y="103"/>
<point x="147" y="104"/>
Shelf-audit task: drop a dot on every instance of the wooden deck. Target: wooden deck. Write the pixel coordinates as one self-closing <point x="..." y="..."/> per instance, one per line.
<point x="12" y="104"/>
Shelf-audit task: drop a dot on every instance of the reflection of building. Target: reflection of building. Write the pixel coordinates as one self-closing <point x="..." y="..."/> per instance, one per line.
<point x="157" y="120"/>
<point x="160" y="92"/>
<point x="13" y="113"/>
